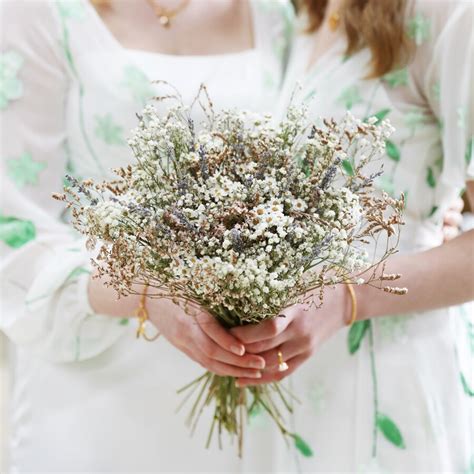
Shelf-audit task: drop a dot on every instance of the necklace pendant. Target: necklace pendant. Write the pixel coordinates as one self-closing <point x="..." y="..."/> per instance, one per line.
<point x="165" y="21"/>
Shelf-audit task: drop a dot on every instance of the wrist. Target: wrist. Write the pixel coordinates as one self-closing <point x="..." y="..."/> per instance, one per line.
<point x="363" y="302"/>
<point x="105" y="300"/>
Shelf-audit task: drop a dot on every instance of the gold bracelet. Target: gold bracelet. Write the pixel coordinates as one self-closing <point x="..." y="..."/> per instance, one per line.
<point x="142" y="314"/>
<point x="354" y="304"/>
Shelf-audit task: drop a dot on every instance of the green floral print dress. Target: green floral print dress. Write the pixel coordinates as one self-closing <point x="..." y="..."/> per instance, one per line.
<point x="395" y="394"/>
<point x="86" y="396"/>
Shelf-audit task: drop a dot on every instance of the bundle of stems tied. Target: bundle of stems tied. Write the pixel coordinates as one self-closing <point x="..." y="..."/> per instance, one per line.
<point x="240" y="216"/>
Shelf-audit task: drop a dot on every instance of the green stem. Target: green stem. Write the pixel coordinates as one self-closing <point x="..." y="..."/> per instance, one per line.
<point x="375" y="389"/>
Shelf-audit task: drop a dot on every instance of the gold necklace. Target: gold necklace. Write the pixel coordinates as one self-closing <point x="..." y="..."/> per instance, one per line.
<point x="165" y="15"/>
<point x="334" y="20"/>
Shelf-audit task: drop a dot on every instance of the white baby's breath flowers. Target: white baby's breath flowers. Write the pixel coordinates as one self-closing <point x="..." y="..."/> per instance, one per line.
<point x="241" y="215"/>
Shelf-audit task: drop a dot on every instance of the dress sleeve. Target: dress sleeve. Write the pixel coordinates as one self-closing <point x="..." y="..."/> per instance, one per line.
<point x="45" y="268"/>
<point x="444" y="31"/>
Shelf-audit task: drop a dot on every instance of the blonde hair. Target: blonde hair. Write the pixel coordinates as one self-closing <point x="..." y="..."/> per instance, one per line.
<point x="375" y="24"/>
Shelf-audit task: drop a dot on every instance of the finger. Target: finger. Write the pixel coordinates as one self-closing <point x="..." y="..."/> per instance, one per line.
<point x="457" y="205"/>
<point x="219" y="335"/>
<point x="453" y="219"/>
<point x="265" y="330"/>
<point x="270" y="377"/>
<point x="226" y="370"/>
<point x="288" y="350"/>
<point x="449" y="233"/>
<point x="205" y="345"/>
<point x="268" y="344"/>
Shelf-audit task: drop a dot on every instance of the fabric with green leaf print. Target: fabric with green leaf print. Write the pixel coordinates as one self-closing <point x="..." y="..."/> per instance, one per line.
<point x="398" y="388"/>
<point x="80" y="95"/>
<point x="419" y="28"/>
<point x="397" y="78"/>
<point x="24" y="170"/>
<point x="138" y="84"/>
<point x="108" y="131"/>
<point x="16" y="232"/>
<point x="11" y="86"/>
<point x="350" y="97"/>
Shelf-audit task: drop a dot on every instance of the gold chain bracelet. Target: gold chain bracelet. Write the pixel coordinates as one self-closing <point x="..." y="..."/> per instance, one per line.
<point x="354" y="304"/>
<point x="142" y="314"/>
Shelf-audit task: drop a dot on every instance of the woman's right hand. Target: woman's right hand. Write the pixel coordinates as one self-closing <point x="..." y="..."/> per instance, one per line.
<point x="204" y="340"/>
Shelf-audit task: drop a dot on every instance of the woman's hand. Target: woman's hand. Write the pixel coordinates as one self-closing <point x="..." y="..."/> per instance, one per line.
<point x="452" y="220"/>
<point x="204" y="340"/>
<point x="297" y="335"/>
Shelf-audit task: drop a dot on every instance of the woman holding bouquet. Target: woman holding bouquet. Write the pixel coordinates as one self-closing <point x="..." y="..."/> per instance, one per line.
<point x="87" y="396"/>
<point x="393" y="392"/>
<point x="114" y="392"/>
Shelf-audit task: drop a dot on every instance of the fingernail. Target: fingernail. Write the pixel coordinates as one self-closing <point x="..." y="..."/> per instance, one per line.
<point x="256" y="375"/>
<point x="238" y="350"/>
<point x="257" y="364"/>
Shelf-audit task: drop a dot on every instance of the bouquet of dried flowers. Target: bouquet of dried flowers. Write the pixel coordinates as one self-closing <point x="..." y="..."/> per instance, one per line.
<point x="243" y="218"/>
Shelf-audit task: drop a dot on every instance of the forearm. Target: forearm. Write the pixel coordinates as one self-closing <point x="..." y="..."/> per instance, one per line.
<point x="440" y="277"/>
<point x="105" y="300"/>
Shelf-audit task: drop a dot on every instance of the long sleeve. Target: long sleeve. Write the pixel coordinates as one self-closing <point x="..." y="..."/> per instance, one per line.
<point x="45" y="268"/>
<point x="444" y="31"/>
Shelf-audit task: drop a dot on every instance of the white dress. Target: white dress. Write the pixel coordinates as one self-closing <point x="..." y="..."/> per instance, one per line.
<point x="86" y="395"/>
<point x="398" y="396"/>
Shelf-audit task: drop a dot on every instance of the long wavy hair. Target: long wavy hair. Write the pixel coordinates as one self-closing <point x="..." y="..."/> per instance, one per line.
<point x="375" y="24"/>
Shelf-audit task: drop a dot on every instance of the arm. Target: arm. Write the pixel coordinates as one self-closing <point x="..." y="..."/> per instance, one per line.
<point x="197" y="334"/>
<point x="439" y="277"/>
<point x="44" y="266"/>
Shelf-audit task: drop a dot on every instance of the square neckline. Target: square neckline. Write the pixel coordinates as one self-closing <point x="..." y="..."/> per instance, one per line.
<point x="113" y="40"/>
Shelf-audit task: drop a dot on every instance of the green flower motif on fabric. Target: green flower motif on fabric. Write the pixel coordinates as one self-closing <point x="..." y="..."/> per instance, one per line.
<point x="24" y="170"/>
<point x="317" y="395"/>
<point x="11" y="88"/>
<point x="73" y="9"/>
<point x="350" y="97"/>
<point x="396" y="78"/>
<point x="461" y="117"/>
<point x="138" y="84"/>
<point x="386" y="183"/>
<point x="16" y="232"/>
<point x="419" y="28"/>
<point x="393" y="329"/>
<point x="414" y="118"/>
<point x="108" y="131"/>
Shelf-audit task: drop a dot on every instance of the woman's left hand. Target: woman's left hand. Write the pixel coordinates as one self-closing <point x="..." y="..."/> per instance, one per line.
<point x="452" y="220"/>
<point x="297" y="335"/>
